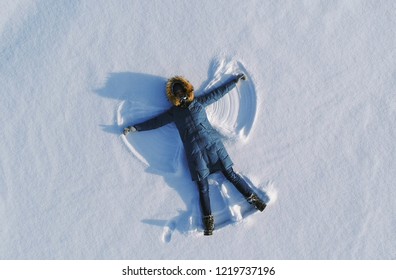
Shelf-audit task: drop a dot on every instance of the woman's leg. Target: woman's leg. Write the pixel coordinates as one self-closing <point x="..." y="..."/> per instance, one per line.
<point x="203" y="187"/>
<point x="244" y="188"/>
<point x="238" y="182"/>
<point x="204" y="199"/>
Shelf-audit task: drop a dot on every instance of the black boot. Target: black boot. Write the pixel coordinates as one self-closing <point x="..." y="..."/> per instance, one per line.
<point x="256" y="202"/>
<point x="208" y="222"/>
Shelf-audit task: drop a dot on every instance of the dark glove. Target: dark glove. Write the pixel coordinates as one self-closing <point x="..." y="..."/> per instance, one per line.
<point x="129" y="129"/>
<point x="240" y="76"/>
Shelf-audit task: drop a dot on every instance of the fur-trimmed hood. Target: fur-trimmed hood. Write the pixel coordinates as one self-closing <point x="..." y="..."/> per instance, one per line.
<point x="187" y="86"/>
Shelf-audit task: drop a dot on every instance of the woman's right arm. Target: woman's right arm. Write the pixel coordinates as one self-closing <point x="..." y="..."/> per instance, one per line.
<point x="153" y="123"/>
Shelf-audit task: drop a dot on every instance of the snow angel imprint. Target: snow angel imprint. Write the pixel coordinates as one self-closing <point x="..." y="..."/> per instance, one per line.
<point x="205" y="151"/>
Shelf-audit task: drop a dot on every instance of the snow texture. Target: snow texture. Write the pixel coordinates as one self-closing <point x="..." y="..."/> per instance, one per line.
<point x="312" y="128"/>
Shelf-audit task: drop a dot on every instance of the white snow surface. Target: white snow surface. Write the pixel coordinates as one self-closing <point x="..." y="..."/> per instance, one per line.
<point x="313" y="126"/>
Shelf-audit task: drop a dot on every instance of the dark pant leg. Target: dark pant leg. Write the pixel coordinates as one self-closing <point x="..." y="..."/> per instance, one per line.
<point x="203" y="187"/>
<point x="240" y="184"/>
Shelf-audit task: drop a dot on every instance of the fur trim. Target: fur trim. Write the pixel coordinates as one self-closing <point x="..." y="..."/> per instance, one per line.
<point x="187" y="85"/>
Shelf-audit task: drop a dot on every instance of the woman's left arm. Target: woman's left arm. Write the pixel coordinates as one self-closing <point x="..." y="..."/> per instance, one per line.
<point x="219" y="92"/>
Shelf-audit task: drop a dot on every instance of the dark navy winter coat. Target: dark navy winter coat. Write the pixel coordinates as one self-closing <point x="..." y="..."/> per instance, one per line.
<point x="204" y="150"/>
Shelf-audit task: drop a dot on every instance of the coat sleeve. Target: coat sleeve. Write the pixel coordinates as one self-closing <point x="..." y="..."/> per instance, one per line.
<point x="156" y="122"/>
<point x="217" y="93"/>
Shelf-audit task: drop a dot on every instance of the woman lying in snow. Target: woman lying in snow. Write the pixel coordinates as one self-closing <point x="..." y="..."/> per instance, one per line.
<point x="205" y="152"/>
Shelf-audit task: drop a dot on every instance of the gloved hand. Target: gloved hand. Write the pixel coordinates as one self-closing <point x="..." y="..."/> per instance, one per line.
<point x="240" y="76"/>
<point x="129" y="129"/>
